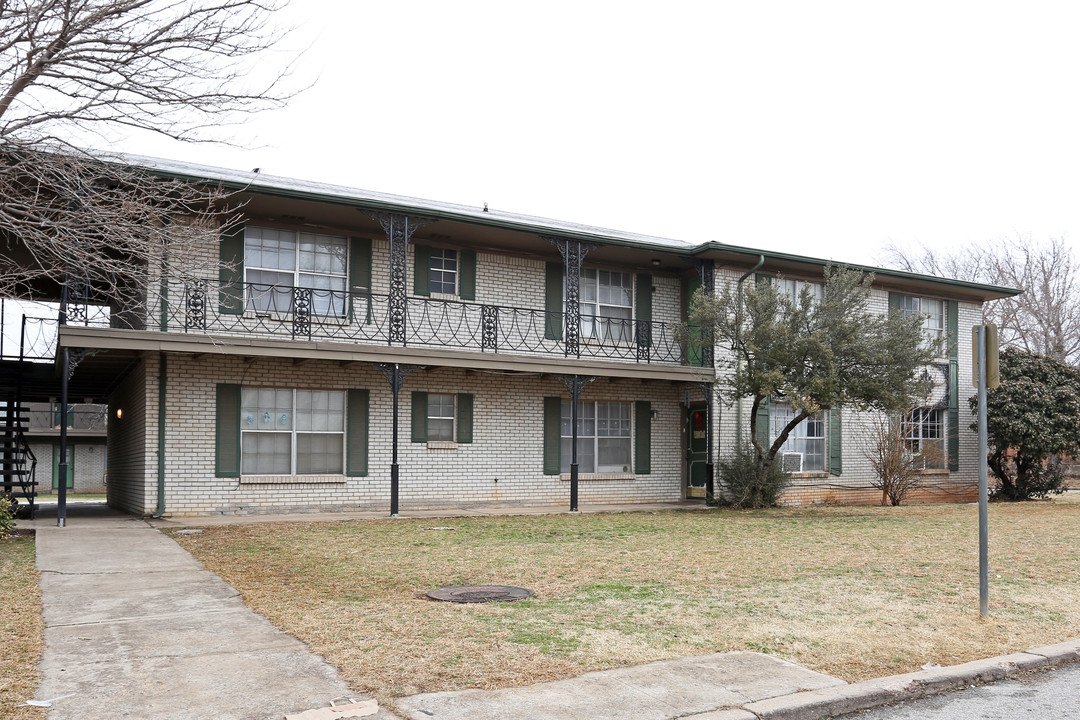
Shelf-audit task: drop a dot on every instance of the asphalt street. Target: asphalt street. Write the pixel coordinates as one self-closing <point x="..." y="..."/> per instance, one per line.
<point x="1046" y="695"/>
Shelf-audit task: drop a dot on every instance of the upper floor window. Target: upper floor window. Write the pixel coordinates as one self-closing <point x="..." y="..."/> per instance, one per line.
<point x="933" y="312"/>
<point x="792" y="289"/>
<point x="444" y="271"/>
<point x="607" y="305"/>
<point x="276" y="261"/>
<point x="806" y="442"/>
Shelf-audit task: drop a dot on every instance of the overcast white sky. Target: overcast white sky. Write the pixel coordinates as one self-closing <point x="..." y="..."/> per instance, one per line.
<point x="827" y="129"/>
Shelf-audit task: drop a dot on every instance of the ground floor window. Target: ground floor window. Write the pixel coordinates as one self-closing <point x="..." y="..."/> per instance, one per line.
<point x="292" y="432"/>
<point x="805" y="445"/>
<point x="924" y="436"/>
<point x="604" y="439"/>
<point x="440" y="417"/>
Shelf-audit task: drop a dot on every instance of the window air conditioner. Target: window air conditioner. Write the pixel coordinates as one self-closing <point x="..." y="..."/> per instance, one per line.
<point x="791" y="462"/>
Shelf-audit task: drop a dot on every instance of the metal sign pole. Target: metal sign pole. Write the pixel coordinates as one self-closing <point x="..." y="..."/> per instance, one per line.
<point x="984" y="565"/>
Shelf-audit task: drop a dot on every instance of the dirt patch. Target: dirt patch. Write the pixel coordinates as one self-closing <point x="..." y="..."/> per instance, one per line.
<point x="21" y="627"/>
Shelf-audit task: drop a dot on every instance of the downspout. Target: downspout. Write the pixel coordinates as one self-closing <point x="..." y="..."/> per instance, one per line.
<point x="738" y="328"/>
<point x="162" y="386"/>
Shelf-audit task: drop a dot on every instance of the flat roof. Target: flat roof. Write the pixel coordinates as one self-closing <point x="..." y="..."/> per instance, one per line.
<point x="256" y="182"/>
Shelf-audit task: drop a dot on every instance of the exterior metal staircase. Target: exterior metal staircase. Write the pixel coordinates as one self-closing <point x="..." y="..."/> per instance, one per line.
<point x="17" y="461"/>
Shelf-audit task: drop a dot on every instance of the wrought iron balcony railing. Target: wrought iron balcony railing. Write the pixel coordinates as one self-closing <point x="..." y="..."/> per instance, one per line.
<point x="207" y="306"/>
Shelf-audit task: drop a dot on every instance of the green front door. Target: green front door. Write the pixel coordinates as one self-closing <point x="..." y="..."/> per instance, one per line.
<point x="696" y="450"/>
<point x="70" y="467"/>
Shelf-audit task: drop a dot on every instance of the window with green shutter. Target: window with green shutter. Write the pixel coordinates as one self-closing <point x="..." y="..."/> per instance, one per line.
<point x="442" y="417"/>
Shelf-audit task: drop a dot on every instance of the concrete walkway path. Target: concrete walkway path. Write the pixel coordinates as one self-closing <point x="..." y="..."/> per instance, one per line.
<point x="135" y="627"/>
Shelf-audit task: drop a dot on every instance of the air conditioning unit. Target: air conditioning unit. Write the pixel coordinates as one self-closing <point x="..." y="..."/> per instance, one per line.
<point x="791" y="462"/>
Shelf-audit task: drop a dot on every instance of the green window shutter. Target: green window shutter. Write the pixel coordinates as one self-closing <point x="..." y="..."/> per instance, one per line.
<point x="467" y="281"/>
<point x="360" y="276"/>
<point x="552" y="435"/>
<point x="419" y="416"/>
<point x="422" y="270"/>
<point x="694" y="356"/>
<point x="231" y="270"/>
<point x="763" y="422"/>
<point x="643" y="309"/>
<point x="760" y="278"/>
<point x="227" y="431"/>
<point x="356" y="433"/>
<point x="553" y="292"/>
<point x="896" y="302"/>
<point x="464" y="417"/>
<point x="642" y="437"/>
<point x="953" y="426"/>
<point x="836" y="440"/>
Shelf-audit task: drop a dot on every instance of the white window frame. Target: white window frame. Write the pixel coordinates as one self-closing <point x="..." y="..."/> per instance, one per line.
<point x="918" y="429"/>
<point x="792" y="289"/>
<point x="596" y="325"/>
<point x="626" y="409"/>
<point x="452" y="417"/>
<point x="780" y="414"/>
<point x="293" y="431"/>
<point x="932" y="311"/>
<point x="440" y="256"/>
<point x="325" y="302"/>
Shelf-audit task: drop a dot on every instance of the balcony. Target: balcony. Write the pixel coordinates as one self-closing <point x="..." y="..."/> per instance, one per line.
<point x="208" y="307"/>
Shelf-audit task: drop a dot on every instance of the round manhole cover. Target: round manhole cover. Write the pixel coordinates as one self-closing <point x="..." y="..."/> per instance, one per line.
<point x="479" y="593"/>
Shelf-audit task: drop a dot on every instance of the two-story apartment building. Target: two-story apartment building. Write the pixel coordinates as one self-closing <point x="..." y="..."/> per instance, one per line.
<point x="273" y="384"/>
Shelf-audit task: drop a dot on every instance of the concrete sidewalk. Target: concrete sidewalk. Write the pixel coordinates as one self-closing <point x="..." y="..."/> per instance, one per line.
<point x="135" y="627"/>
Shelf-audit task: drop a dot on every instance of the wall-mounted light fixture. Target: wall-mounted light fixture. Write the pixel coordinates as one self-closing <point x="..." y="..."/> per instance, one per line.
<point x="656" y="262"/>
<point x="119" y="413"/>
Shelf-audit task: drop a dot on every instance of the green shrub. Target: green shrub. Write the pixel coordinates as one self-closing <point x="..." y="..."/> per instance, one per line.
<point x="7" y="515"/>
<point x="743" y="482"/>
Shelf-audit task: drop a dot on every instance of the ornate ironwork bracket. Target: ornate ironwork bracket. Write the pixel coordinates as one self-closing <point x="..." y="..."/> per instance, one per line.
<point x="195" y="317"/>
<point x="576" y="383"/>
<point x="74" y="302"/>
<point x="399" y="230"/>
<point x="573" y="253"/>
<point x="396" y="373"/>
<point x="301" y="315"/>
<point x="489" y="327"/>
<point x="76" y="356"/>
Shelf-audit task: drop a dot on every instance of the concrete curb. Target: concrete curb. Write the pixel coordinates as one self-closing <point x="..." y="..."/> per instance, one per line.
<point x="830" y="702"/>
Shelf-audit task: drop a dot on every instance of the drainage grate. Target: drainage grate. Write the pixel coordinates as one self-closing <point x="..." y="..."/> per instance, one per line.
<point x="479" y="593"/>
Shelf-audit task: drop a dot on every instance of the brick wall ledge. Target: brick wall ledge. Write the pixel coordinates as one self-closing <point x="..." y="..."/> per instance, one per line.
<point x="291" y="479"/>
<point x="600" y="476"/>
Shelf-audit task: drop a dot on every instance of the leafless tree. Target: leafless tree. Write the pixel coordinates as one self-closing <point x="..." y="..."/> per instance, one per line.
<point x="71" y="69"/>
<point x="898" y="470"/>
<point x="1045" y="319"/>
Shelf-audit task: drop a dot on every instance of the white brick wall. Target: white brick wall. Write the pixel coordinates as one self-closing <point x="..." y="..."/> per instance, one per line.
<point x="507" y="443"/>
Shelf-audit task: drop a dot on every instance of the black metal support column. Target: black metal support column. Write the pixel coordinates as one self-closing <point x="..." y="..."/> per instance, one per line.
<point x="62" y="466"/>
<point x="395" y="375"/>
<point x="573" y="253"/>
<point x="575" y="384"/>
<point x="707" y="272"/>
<point x="399" y="230"/>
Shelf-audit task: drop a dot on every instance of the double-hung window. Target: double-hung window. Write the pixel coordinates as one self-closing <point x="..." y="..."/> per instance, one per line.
<point x="440" y="417"/>
<point x="604" y="437"/>
<point x="806" y="440"/>
<point x="443" y="276"/>
<point x="276" y="261"/>
<point x="292" y="432"/>
<point x="924" y="436"/>
<point x="933" y="312"/>
<point x="792" y="289"/>
<point x="606" y="301"/>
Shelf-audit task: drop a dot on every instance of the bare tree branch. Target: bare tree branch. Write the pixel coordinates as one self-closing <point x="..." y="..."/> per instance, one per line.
<point x="1045" y="319"/>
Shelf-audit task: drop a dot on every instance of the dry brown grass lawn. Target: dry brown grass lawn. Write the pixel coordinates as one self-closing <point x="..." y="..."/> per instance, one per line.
<point x="21" y="628"/>
<point x="855" y="592"/>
